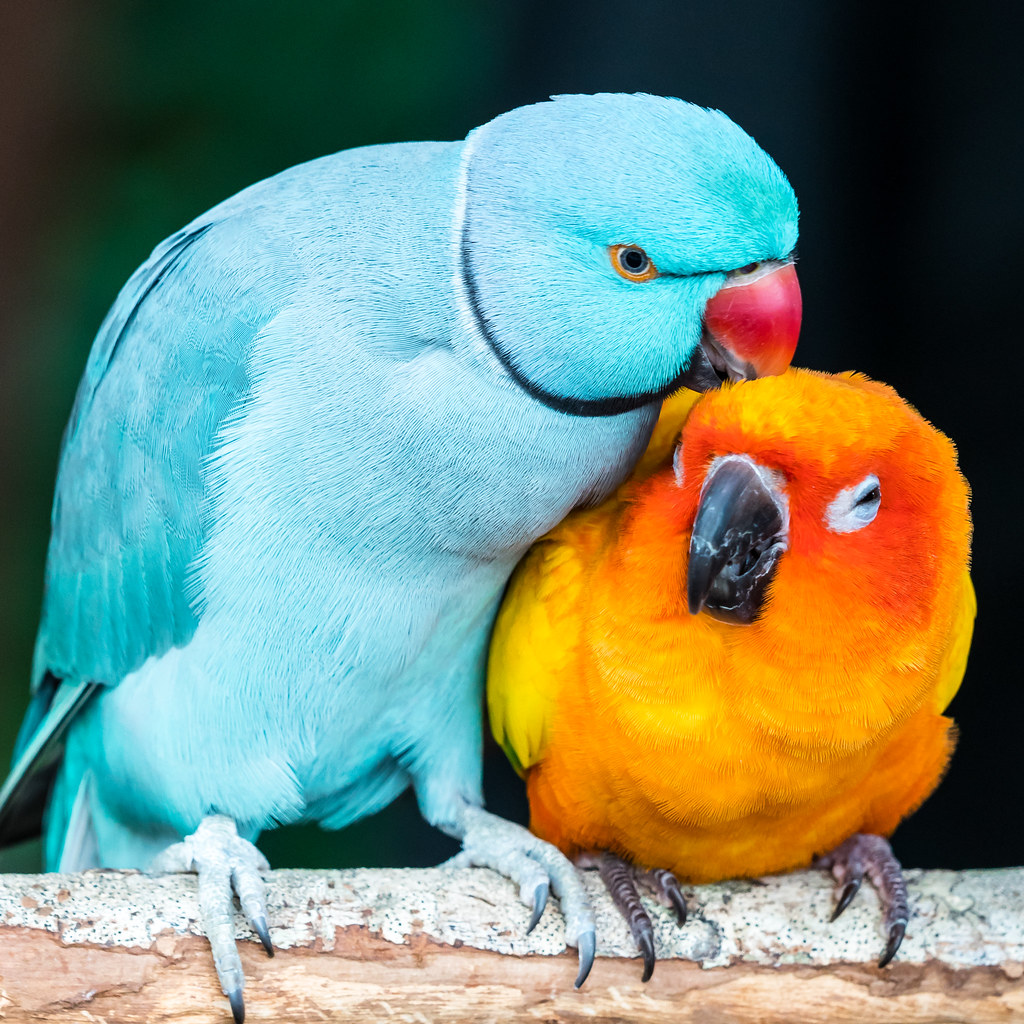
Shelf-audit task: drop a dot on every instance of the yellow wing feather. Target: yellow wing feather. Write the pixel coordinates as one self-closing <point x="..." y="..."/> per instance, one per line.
<point x="537" y="632"/>
<point x="533" y="645"/>
<point x="954" y="658"/>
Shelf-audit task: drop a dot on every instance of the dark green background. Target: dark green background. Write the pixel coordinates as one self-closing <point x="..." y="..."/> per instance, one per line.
<point x="898" y="125"/>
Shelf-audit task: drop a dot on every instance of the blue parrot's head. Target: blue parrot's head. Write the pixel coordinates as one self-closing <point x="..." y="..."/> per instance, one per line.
<point x="594" y="230"/>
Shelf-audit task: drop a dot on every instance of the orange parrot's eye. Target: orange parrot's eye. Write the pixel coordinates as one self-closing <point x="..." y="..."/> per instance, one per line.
<point x="632" y="263"/>
<point x="855" y="507"/>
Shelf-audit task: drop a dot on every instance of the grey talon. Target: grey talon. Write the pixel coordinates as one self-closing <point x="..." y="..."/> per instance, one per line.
<point x="679" y="903"/>
<point x="896" y="932"/>
<point x="846" y="897"/>
<point x="620" y="881"/>
<point x="865" y="854"/>
<point x="645" y="940"/>
<point x="587" y="947"/>
<point x="259" y="926"/>
<point x="668" y="886"/>
<point x="535" y="867"/>
<point x="237" y="1005"/>
<point x="540" y="901"/>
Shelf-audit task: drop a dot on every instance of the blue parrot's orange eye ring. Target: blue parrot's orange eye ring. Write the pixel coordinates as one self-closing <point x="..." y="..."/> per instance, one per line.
<point x="632" y="263"/>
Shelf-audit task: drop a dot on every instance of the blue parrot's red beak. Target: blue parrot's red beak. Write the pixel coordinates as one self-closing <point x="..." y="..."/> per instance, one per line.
<point x="752" y="323"/>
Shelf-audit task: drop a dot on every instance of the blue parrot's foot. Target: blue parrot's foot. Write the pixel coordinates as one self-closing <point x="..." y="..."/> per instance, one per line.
<point x="621" y="879"/>
<point x="535" y="866"/>
<point x="871" y="855"/>
<point x="227" y="865"/>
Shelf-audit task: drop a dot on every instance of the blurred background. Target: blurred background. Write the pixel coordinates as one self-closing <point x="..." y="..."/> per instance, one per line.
<point x="898" y="125"/>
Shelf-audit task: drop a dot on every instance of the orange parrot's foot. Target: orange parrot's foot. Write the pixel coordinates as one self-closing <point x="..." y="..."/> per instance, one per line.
<point x="871" y="855"/>
<point x="620" y="879"/>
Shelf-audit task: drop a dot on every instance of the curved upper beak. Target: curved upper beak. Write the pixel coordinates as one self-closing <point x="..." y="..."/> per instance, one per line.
<point x="752" y="323"/>
<point x="740" y="532"/>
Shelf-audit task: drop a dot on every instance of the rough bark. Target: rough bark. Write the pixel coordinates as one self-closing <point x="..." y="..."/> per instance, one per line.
<point x="450" y="946"/>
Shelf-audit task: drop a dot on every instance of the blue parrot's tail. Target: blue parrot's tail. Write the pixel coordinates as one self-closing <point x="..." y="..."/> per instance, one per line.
<point x="37" y="756"/>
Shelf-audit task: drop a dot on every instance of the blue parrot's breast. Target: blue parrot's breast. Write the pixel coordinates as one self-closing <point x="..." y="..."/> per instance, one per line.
<point x="346" y="589"/>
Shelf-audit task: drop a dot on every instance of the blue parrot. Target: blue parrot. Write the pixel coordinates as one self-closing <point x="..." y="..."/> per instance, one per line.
<point x="315" y="433"/>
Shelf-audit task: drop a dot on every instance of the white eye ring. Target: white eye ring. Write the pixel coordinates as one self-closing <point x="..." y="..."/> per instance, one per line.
<point x="855" y="507"/>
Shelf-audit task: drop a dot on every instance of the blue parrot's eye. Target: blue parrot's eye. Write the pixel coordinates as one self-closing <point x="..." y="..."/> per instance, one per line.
<point x="748" y="269"/>
<point x="632" y="263"/>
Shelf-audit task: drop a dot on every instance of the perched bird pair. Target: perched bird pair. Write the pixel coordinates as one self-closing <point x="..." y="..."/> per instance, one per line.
<point x="739" y="662"/>
<point x="317" y="430"/>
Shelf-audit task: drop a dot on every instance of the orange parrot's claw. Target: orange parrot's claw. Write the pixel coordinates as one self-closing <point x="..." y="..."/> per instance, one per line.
<point x="846" y="897"/>
<point x="666" y="885"/>
<point x="870" y="855"/>
<point x="646" y="943"/>
<point x="620" y="880"/>
<point x="896" y="933"/>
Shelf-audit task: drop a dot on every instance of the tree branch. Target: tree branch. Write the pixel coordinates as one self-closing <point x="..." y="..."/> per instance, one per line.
<point x="450" y="946"/>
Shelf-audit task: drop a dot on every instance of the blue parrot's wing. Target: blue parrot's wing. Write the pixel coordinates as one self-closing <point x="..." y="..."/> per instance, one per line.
<point x="165" y="369"/>
<point x="168" y="365"/>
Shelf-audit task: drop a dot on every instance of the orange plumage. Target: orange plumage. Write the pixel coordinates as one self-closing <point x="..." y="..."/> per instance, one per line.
<point x="719" y="750"/>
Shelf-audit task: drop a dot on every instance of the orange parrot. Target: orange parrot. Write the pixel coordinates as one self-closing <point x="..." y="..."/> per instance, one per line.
<point x="738" y="664"/>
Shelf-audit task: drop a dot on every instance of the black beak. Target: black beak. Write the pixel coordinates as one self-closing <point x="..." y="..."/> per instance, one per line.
<point x="712" y="364"/>
<point x="738" y="537"/>
<point x="706" y="370"/>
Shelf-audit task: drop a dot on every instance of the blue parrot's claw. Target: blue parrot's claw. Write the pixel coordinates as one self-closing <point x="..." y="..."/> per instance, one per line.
<point x="587" y="946"/>
<point x="864" y="855"/>
<point x="227" y="865"/>
<point x="540" y="901"/>
<point x="259" y="926"/>
<point x="620" y="880"/>
<point x="237" y="1005"/>
<point x="535" y="866"/>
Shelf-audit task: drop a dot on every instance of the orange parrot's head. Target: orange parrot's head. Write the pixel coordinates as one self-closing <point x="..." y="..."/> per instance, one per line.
<point x="817" y="500"/>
